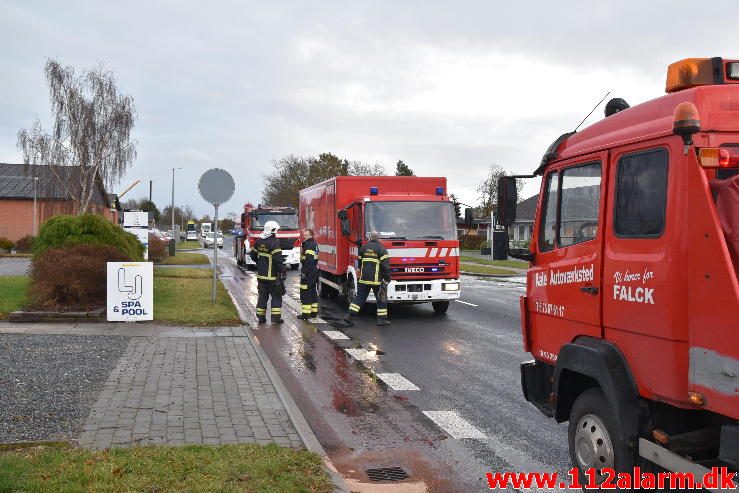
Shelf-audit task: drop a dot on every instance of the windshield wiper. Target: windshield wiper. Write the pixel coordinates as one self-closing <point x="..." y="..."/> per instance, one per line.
<point x="429" y="237"/>
<point x="393" y="238"/>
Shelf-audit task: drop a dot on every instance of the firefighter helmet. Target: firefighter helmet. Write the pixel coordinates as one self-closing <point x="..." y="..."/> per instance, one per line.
<point x="270" y="228"/>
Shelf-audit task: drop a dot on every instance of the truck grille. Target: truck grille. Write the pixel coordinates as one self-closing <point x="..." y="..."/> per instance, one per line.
<point x="287" y="243"/>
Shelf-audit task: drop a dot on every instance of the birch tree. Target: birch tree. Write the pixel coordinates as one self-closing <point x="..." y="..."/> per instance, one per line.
<point x="91" y="129"/>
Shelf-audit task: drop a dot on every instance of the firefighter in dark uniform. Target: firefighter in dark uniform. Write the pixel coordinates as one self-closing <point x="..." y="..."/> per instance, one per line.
<point x="271" y="273"/>
<point x="374" y="267"/>
<point x="308" y="276"/>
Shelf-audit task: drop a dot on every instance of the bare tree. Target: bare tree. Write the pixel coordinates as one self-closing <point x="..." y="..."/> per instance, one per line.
<point x="92" y="130"/>
<point x="488" y="190"/>
<point x="293" y="173"/>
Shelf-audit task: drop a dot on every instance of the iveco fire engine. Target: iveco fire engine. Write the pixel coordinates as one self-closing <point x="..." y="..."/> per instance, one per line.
<point x="416" y="223"/>
<point x="632" y="305"/>
<point x="252" y="223"/>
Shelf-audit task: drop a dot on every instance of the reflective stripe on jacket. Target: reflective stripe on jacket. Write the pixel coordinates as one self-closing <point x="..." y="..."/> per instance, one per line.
<point x="374" y="263"/>
<point x="309" y="260"/>
<point x="267" y="254"/>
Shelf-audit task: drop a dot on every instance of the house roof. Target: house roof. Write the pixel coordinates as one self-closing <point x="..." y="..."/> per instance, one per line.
<point x="54" y="182"/>
<point x="526" y="210"/>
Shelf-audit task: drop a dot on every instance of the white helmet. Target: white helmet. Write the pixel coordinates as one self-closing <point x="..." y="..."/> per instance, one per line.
<point x="270" y="228"/>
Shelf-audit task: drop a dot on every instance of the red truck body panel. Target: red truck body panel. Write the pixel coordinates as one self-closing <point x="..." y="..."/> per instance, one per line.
<point x="411" y="259"/>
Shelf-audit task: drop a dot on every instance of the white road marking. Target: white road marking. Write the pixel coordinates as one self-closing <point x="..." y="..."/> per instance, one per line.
<point x="450" y="422"/>
<point x="465" y="303"/>
<point x="335" y="334"/>
<point x="396" y="381"/>
<point x="362" y="354"/>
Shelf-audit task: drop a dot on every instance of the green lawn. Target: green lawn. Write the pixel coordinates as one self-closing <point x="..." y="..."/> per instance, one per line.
<point x="484" y="269"/>
<point x="12" y="294"/>
<point x="183" y="258"/>
<point x="184" y="296"/>
<point x="227" y="468"/>
<point x="516" y="264"/>
<point x="188" y="245"/>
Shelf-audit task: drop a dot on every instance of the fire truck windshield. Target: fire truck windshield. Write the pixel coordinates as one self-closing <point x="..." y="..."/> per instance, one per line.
<point x="286" y="221"/>
<point x="411" y="220"/>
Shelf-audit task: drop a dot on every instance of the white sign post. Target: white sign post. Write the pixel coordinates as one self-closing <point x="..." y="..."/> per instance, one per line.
<point x="137" y="223"/>
<point x="130" y="291"/>
<point x="216" y="186"/>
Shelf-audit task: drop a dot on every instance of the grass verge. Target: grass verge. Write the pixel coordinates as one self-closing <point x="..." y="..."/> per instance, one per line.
<point x="12" y="294"/>
<point x="186" y="259"/>
<point x="484" y="269"/>
<point x="516" y="264"/>
<point x="227" y="468"/>
<point x="188" y="245"/>
<point x="184" y="296"/>
<point x="16" y="255"/>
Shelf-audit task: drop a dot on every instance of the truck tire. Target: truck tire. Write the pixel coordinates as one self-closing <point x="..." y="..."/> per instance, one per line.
<point x="440" y="307"/>
<point x="591" y="432"/>
<point x="294" y="266"/>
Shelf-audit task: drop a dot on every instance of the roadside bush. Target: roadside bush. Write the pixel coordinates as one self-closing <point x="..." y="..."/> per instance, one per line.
<point x="72" y="277"/>
<point x="5" y="244"/>
<point x="470" y="242"/>
<point x="64" y="231"/>
<point x="25" y="244"/>
<point x="485" y="244"/>
<point x="158" y="248"/>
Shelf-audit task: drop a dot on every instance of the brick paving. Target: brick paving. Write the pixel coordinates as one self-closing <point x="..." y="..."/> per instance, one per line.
<point x="194" y="390"/>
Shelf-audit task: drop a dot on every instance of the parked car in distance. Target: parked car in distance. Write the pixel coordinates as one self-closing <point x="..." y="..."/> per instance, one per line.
<point x="209" y="239"/>
<point x="192" y="235"/>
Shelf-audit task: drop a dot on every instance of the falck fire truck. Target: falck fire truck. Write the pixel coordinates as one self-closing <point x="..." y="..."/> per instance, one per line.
<point x="416" y="222"/>
<point x="632" y="305"/>
<point x="252" y="224"/>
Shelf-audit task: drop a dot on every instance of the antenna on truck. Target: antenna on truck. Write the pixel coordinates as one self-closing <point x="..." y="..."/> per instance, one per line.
<point x="591" y="111"/>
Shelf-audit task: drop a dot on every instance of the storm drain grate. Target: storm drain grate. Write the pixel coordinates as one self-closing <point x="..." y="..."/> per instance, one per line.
<point x="387" y="474"/>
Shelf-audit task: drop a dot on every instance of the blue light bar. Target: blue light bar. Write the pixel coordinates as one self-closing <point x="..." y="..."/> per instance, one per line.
<point x="439" y="191"/>
<point x="373" y="190"/>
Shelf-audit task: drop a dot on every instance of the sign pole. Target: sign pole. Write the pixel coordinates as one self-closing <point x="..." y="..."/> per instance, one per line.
<point x="215" y="252"/>
<point x="216" y="186"/>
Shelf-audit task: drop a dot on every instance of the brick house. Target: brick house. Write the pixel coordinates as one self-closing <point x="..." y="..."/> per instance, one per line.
<point x="54" y="187"/>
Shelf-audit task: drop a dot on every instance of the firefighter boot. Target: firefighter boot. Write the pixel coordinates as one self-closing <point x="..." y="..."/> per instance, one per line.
<point x="262" y="319"/>
<point x="348" y="319"/>
<point x="304" y="316"/>
<point x="381" y="321"/>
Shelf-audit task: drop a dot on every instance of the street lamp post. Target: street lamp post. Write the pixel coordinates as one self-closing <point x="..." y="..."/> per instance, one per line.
<point x="173" y="231"/>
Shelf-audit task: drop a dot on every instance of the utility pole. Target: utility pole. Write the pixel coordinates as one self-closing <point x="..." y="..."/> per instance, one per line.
<point x="173" y="231"/>
<point x="150" y="186"/>
<point x="35" y="210"/>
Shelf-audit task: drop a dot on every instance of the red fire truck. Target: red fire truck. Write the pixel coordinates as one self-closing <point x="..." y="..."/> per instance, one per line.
<point x="416" y="222"/>
<point x="252" y="225"/>
<point x="632" y="305"/>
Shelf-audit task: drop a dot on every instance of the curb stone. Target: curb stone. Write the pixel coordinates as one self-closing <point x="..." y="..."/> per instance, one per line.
<point x="301" y="425"/>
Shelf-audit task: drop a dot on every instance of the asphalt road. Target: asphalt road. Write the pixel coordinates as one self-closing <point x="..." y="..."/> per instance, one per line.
<point x="465" y="362"/>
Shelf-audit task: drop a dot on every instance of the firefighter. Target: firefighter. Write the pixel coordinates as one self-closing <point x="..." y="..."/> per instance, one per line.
<point x="271" y="273"/>
<point x="308" y="276"/>
<point x="374" y="267"/>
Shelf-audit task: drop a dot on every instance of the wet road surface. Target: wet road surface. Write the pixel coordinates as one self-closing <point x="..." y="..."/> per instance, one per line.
<point x="465" y="414"/>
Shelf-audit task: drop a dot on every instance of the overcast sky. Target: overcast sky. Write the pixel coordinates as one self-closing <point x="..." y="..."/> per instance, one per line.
<point x="448" y="87"/>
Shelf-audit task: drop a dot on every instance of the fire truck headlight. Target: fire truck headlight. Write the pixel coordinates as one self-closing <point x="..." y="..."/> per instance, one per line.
<point x="451" y="286"/>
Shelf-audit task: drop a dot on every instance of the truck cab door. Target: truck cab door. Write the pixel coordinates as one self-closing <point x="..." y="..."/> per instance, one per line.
<point x="564" y="295"/>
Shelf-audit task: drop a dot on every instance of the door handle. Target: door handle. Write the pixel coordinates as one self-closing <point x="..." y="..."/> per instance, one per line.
<point x="589" y="289"/>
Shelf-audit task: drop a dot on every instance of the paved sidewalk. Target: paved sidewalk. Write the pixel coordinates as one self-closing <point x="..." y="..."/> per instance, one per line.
<point x="188" y="390"/>
<point x="176" y="386"/>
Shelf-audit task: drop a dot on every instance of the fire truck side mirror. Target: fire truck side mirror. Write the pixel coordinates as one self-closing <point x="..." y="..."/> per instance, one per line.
<point x="507" y="200"/>
<point x="346" y="227"/>
<point x="469" y="217"/>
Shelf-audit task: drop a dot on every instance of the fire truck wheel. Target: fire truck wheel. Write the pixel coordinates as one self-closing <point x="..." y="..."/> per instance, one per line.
<point x="592" y="431"/>
<point x="294" y="266"/>
<point x="440" y="307"/>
